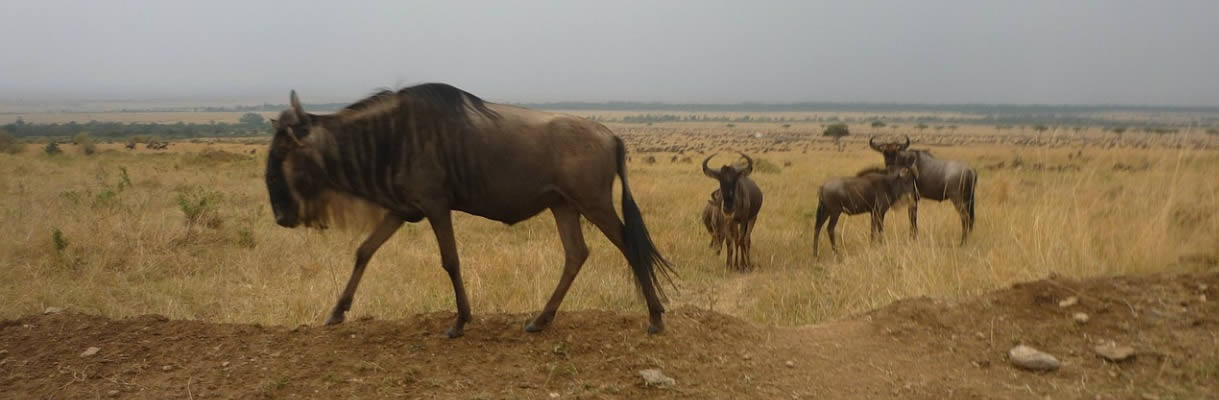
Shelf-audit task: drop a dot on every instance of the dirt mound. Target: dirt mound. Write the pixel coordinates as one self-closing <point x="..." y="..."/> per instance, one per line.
<point x="920" y="348"/>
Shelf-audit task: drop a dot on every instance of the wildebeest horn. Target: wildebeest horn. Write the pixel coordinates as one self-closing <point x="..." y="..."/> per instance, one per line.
<point x="748" y="165"/>
<point x="296" y="106"/>
<point x="872" y="143"/>
<point x="904" y="146"/>
<point x="707" y="171"/>
<point x="292" y="135"/>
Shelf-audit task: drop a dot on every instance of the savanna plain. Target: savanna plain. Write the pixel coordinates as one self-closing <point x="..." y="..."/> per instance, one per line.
<point x="1126" y="224"/>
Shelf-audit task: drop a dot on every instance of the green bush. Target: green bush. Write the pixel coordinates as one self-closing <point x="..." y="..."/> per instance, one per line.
<point x="200" y="205"/>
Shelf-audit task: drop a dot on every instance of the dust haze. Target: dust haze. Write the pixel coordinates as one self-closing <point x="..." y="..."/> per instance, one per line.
<point x="1026" y="52"/>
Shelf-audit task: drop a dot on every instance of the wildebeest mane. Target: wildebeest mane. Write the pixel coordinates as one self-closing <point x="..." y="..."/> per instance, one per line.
<point x="445" y="101"/>
<point x="873" y="170"/>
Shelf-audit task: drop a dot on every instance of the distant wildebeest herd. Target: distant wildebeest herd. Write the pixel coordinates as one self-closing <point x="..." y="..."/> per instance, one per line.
<point x="425" y="151"/>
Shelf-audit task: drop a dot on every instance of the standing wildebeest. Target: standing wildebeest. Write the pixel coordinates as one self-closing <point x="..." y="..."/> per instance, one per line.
<point x="872" y="190"/>
<point x="713" y="220"/>
<point x="741" y="199"/>
<point x="426" y="150"/>
<point x="938" y="180"/>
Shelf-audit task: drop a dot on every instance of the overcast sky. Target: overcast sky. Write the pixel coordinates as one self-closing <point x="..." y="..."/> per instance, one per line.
<point x="967" y="51"/>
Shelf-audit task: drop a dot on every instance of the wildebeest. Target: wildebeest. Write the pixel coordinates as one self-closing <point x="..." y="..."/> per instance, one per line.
<point x="872" y="190"/>
<point x="741" y="200"/>
<point x="713" y="220"/>
<point x="427" y="150"/>
<point x="938" y="180"/>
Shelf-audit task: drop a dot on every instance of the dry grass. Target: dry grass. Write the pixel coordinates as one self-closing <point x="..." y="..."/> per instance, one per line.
<point x="130" y="250"/>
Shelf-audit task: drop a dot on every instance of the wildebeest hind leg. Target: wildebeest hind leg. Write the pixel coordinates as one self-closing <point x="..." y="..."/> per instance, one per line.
<point x="383" y="232"/>
<point x="748" y="240"/>
<point x="576" y="251"/>
<point x="442" y="226"/>
<point x="606" y="219"/>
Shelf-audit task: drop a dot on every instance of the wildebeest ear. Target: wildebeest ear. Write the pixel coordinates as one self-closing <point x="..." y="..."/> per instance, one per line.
<point x="296" y="106"/>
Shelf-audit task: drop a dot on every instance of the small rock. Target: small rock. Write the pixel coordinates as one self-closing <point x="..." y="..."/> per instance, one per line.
<point x="1114" y="352"/>
<point x="1149" y="396"/>
<point x="554" y="395"/>
<point x="1067" y="302"/>
<point x="1081" y="318"/>
<point x="790" y="364"/>
<point x="167" y="368"/>
<point x="1202" y="287"/>
<point x="747" y="357"/>
<point x="52" y="310"/>
<point x="3" y="352"/>
<point x="1032" y="359"/>
<point x="90" y="351"/>
<point x="224" y="364"/>
<point x="113" y="393"/>
<point x="653" y="377"/>
<point x="1202" y="298"/>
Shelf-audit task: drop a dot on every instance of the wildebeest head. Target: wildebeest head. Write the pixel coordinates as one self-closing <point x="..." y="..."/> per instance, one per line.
<point x="294" y="178"/>
<point x="904" y="183"/>
<point x="889" y="150"/>
<point x="728" y="177"/>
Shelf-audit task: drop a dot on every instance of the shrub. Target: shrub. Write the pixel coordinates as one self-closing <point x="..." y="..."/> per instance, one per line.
<point x="58" y="239"/>
<point x="86" y="144"/>
<point x="200" y="205"/>
<point x="10" y="144"/>
<point x="52" y="149"/>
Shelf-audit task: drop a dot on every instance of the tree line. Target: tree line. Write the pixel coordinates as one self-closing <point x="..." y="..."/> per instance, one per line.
<point x="250" y="124"/>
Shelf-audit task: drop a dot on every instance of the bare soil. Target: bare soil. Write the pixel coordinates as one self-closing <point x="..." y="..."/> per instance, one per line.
<point x="917" y="348"/>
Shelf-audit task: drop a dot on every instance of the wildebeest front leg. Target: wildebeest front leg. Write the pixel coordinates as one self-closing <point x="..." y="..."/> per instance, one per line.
<point x="878" y="225"/>
<point x="442" y="226"/>
<point x="913" y="210"/>
<point x="385" y="229"/>
<point x="576" y="251"/>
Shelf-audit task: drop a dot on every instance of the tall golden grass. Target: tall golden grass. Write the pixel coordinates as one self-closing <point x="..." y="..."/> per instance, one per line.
<point x="128" y="249"/>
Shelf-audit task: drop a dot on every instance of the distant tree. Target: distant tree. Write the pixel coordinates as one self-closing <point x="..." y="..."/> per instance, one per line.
<point x="836" y="131"/>
<point x="251" y="119"/>
<point x="787" y="125"/>
<point x="1040" y="128"/>
<point x="878" y="124"/>
<point x="920" y="126"/>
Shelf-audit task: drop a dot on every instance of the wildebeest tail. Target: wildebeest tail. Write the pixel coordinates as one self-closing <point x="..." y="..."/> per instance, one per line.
<point x="641" y="251"/>
<point x="973" y="187"/>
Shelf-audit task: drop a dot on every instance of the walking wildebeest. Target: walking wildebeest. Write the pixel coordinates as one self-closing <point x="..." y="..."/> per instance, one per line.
<point x="872" y="190"/>
<point x="713" y="220"/>
<point x="938" y="180"/>
<point x="427" y="150"/>
<point x="741" y="202"/>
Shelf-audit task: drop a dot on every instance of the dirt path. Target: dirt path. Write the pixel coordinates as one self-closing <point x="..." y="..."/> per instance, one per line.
<point x="918" y="348"/>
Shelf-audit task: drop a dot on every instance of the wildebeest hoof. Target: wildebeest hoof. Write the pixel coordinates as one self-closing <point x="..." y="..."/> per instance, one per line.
<point x="534" y="327"/>
<point x="455" y="332"/>
<point x="656" y="329"/>
<point x="335" y="319"/>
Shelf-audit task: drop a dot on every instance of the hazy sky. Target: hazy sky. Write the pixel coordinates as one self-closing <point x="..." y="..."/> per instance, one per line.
<point x="1113" y="52"/>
